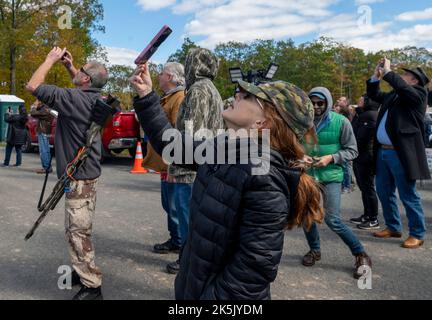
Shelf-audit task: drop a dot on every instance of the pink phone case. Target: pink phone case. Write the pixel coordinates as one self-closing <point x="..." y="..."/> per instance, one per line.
<point x="154" y="45"/>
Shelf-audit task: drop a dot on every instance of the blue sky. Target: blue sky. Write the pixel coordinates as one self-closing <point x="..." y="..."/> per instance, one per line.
<point x="368" y="24"/>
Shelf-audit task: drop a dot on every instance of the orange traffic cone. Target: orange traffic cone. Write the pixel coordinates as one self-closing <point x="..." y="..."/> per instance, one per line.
<point x="137" y="168"/>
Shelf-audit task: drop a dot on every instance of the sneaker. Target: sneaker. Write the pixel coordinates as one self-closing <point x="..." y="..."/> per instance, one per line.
<point x="89" y="294"/>
<point x="173" y="267"/>
<point x="311" y="257"/>
<point x="165" y="248"/>
<point x="362" y="260"/>
<point x="4" y="166"/>
<point x="359" y="220"/>
<point x="369" y="225"/>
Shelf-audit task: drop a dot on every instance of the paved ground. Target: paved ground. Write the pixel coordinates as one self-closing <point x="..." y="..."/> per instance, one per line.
<point x="130" y="220"/>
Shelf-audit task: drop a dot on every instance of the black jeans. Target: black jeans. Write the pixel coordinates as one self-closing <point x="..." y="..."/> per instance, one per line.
<point x="366" y="181"/>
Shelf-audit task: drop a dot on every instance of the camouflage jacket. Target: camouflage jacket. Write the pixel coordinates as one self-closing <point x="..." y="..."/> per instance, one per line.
<point x="202" y="105"/>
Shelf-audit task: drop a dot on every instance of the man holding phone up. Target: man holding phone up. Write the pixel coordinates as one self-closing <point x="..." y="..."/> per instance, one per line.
<point x="74" y="107"/>
<point x="399" y="149"/>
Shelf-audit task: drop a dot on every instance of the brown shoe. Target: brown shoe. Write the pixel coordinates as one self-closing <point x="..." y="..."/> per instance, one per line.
<point x="412" y="243"/>
<point x="362" y="260"/>
<point x="388" y="234"/>
<point x="311" y="257"/>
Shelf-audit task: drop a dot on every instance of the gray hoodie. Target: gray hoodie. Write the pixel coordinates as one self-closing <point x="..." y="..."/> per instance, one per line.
<point x="348" y="141"/>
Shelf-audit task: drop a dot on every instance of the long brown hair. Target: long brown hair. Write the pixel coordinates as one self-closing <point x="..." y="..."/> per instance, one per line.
<point x="308" y="207"/>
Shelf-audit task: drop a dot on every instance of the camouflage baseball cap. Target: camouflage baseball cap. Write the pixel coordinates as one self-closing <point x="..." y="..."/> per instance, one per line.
<point x="291" y="102"/>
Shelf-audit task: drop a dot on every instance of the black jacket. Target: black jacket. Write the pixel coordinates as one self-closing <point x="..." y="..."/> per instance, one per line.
<point x="364" y="125"/>
<point x="405" y="124"/>
<point x="17" y="133"/>
<point x="236" y="221"/>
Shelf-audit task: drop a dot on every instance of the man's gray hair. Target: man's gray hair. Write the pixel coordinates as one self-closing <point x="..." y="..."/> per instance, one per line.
<point x="177" y="71"/>
<point x="98" y="74"/>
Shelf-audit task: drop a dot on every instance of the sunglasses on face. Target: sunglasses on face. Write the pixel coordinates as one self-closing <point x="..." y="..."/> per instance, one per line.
<point x="318" y="103"/>
<point x="249" y="96"/>
<point x="86" y="73"/>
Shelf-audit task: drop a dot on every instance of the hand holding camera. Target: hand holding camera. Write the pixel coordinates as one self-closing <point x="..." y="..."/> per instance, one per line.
<point x="55" y="55"/>
<point x="67" y="60"/>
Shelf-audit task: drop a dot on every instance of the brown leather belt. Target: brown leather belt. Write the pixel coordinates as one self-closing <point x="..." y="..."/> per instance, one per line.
<point x="387" y="147"/>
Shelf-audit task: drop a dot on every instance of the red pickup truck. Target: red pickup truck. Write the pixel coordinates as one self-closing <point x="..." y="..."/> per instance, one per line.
<point x="120" y="134"/>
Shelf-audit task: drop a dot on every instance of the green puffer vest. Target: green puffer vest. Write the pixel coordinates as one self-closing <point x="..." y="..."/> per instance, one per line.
<point x="328" y="144"/>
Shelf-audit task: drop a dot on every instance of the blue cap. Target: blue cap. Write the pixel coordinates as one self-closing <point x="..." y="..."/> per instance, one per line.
<point x="318" y="94"/>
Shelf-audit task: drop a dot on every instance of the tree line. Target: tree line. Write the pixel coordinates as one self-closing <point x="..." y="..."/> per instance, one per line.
<point x="29" y="29"/>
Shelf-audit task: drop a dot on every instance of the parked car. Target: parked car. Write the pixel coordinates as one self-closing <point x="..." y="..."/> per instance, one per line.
<point x="121" y="134"/>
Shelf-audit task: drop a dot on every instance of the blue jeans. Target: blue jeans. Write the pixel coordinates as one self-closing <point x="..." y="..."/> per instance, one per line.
<point x="18" y="149"/>
<point x="168" y="203"/>
<point x="347" y="169"/>
<point x="391" y="175"/>
<point x="332" y="203"/>
<point x="182" y="197"/>
<point x="44" y="151"/>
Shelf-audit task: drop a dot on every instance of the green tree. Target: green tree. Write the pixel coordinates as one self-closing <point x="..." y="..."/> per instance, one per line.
<point x="180" y="54"/>
<point x="31" y="29"/>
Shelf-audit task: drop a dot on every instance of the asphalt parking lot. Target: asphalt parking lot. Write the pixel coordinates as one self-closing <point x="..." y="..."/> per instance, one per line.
<point x="130" y="220"/>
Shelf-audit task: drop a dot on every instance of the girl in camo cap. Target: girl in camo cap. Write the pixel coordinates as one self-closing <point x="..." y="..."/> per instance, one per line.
<point x="238" y="219"/>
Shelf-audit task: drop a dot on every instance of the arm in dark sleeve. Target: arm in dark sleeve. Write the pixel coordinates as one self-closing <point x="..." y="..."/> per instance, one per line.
<point x="154" y="122"/>
<point x="255" y="263"/>
<point x="11" y="118"/>
<point x="54" y="97"/>
<point x="374" y="92"/>
<point x="8" y="118"/>
<point x="40" y="114"/>
<point x="404" y="90"/>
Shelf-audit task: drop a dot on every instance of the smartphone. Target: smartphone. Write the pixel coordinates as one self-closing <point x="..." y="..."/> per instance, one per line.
<point x="148" y="52"/>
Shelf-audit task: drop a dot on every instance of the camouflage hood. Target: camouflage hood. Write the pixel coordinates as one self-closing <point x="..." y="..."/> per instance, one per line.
<point x="200" y="64"/>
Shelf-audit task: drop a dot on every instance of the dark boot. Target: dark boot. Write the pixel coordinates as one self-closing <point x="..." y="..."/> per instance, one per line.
<point x="89" y="294"/>
<point x="174" y="267"/>
<point x="165" y="248"/>
<point x="362" y="259"/>
<point x="311" y="257"/>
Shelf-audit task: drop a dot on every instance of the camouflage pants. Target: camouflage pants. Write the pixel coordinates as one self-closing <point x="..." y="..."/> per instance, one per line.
<point x="80" y="209"/>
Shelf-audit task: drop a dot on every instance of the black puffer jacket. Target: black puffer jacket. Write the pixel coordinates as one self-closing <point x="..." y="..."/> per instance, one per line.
<point x="237" y="221"/>
<point x="17" y="134"/>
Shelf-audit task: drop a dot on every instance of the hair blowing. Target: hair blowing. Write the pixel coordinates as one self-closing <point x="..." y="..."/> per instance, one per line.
<point x="308" y="207"/>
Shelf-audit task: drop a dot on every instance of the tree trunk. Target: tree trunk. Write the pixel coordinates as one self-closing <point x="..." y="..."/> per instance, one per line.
<point x="12" y="70"/>
<point x="12" y="54"/>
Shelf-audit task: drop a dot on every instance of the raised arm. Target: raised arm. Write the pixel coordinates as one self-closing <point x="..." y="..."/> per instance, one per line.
<point x="405" y="91"/>
<point x="39" y="76"/>
<point x="373" y="84"/>
<point x="67" y="61"/>
<point x="154" y="120"/>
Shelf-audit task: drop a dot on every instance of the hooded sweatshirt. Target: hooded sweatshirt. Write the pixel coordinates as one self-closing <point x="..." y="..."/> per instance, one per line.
<point x="202" y="105"/>
<point x="348" y="151"/>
